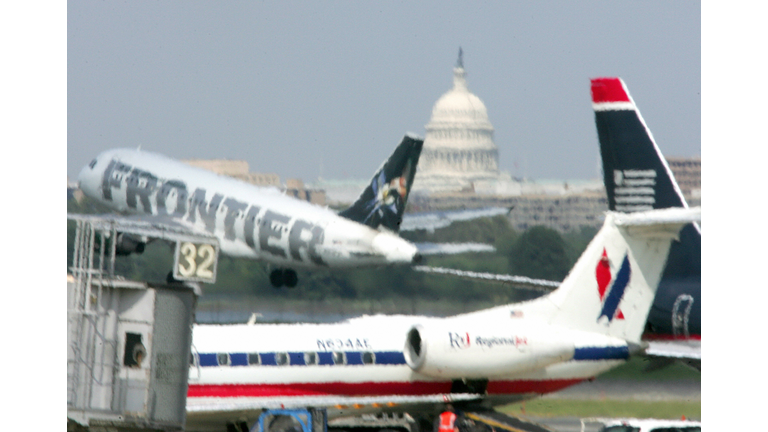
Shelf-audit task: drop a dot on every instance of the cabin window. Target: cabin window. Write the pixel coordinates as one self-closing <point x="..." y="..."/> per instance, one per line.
<point x="281" y="359"/>
<point x="254" y="359"/>
<point x="222" y="359"/>
<point x="339" y="358"/>
<point x="369" y="357"/>
<point x="92" y="164"/>
<point x="310" y="358"/>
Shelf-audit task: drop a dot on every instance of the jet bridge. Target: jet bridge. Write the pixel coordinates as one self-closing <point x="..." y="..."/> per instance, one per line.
<point x="128" y="342"/>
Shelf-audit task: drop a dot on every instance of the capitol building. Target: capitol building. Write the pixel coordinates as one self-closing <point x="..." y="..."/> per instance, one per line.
<point x="459" y="153"/>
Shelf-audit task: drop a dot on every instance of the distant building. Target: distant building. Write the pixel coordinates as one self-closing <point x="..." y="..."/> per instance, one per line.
<point x="562" y="206"/>
<point x="296" y="189"/>
<point x="687" y="172"/>
<point x="562" y="213"/>
<point x="240" y="170"/>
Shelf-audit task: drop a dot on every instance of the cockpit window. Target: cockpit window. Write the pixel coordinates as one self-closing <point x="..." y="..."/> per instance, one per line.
<point x="92" y="164"/>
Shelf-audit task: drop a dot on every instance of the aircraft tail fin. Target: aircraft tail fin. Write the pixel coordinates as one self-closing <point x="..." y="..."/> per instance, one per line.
<point x="383" y="202"/>
<point x="636" y="175"/>
<point x="612" y="286"/>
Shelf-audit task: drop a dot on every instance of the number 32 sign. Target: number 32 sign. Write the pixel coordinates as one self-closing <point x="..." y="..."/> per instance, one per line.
<point x="195" y="262"/>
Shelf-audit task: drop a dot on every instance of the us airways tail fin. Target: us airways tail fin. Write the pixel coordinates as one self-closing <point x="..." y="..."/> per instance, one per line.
<point x="612" y="286"/>
<point x="636" y="175"/>
<point x="382" y="203"/>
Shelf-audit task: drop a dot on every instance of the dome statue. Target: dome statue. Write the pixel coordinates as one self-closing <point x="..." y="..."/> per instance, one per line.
<point x="458" y="146"/>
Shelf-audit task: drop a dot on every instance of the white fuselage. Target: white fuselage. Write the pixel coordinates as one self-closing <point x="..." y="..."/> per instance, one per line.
<point x="306" y="364"/>
<point x="249" y="221"/>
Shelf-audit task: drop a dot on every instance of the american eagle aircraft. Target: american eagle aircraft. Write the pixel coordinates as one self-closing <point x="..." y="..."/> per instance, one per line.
<point x="256" y="222"/>
<point x="592" y="323"/>
<point x="638" y="178"/>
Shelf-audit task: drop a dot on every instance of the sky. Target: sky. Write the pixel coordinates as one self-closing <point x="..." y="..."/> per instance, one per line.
<point x="328" y="89"/>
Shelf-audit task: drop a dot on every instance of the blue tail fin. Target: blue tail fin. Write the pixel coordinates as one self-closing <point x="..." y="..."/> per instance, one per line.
<point x="636" y="176"/>
<point x="383" y="202"/>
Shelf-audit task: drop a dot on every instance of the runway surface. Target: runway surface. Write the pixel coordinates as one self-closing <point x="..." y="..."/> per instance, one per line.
<point x="650" y="390"/>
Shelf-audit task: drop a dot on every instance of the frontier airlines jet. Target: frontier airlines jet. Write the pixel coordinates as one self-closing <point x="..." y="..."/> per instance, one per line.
<point x="257" y="222"/>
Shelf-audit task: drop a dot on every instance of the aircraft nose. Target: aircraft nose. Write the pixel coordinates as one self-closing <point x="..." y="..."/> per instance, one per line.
<point x="89" y="178"/>
<point x="395" y="248"/>
<point x="82" y="176"/>
<point x="418" y="258"/>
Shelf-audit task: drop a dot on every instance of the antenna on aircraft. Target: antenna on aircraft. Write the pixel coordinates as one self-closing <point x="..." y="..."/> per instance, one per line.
<point x="460" y="61"/>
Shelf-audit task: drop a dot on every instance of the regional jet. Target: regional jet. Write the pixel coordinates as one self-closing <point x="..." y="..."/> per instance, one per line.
<point x="256" y="222"/>
<point x="592" y="323"/>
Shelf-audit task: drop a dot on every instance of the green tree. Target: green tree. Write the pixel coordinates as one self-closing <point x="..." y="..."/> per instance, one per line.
<point x="577" y="241"/>
<point x="540" y="253"/>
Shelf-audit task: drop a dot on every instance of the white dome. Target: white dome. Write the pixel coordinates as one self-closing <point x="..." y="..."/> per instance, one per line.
<point x="459" y="107"/>
<point x="458" y="147"/>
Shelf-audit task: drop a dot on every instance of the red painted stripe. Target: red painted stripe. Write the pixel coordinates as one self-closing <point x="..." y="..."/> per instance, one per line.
<point x="402" y="388"/>
<point x="608" y="90"/>
<point x="319" y="389"/>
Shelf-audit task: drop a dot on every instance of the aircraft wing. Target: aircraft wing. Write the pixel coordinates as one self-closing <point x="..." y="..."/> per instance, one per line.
<point x="440" y="219"/>
<point x="663" y="353"/>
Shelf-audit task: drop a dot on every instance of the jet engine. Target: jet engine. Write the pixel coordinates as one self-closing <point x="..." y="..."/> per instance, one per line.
<point x="472" y="351"/>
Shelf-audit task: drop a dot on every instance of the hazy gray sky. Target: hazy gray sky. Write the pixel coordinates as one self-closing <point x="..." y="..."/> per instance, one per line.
<point x="304" y="89"/>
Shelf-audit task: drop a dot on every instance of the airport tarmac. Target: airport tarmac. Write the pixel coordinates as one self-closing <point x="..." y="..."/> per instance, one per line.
<point x="652" y="390"/>
<point x="647" y="390"/>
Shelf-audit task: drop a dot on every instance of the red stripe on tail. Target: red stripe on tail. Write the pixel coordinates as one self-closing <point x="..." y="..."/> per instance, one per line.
<point x="608" y="90"/>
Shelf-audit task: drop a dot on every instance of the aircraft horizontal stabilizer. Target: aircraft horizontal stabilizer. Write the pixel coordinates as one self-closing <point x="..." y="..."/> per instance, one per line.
<point x="518" y="281"/>
<point x="658" y="223"/>
<point x="427" y="248"/>
<point x="440" y="219"/>
<point x="660" y="217"/>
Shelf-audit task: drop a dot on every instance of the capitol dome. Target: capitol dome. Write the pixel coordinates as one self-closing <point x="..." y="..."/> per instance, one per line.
<point x="459" y="107"/>
<point x="458" y="147"/>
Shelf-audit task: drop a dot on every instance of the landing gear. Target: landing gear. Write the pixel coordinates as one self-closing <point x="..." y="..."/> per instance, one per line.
<point x="280" y="277"/>
<point x="290" y="278"/>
